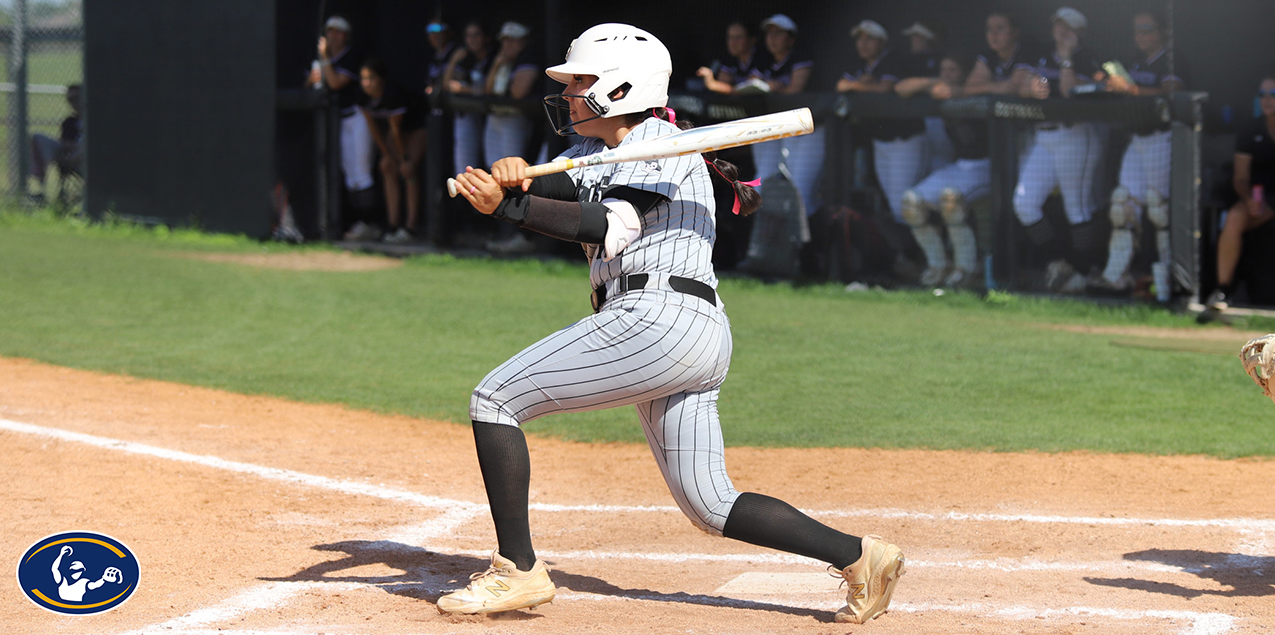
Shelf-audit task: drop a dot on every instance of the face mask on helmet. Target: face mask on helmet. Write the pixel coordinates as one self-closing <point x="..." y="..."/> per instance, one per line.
<point x="632" y="67"/>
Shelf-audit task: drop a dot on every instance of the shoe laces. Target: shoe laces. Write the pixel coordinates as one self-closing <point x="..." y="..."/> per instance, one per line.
<point x="479" y="576"/>
<point x="837" y="573"/>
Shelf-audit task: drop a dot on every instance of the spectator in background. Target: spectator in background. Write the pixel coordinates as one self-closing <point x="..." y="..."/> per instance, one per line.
<point x="1144" y="172"/>
<point x="1007" y="62"/>
<point x="466" y="74"/>
<point x="64" y="152"/>
<point x="440" y="39"/>
<point x="1254" y="183"/>
<point x="338" y="69"/>
<point x="513" y="73"/>
<point x="925" y="48"/>
<point x="1063" y="156"/>
<point x="898" y="145"/>
<point x="741" y="46"/>
<point x="786" y="69"/>
<point x="397" y="122"/>
<point x="951" y="189"/>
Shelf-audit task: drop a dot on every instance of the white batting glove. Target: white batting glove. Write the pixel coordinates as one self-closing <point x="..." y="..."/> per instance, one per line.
<point x="624" y="227"/>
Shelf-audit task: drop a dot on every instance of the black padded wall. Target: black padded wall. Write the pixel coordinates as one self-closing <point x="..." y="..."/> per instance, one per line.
<point x="180" y="111"/>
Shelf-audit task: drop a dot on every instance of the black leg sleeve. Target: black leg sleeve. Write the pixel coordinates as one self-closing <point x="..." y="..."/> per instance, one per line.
<point x="506" y="467"/>
<point x="769" y="522"/>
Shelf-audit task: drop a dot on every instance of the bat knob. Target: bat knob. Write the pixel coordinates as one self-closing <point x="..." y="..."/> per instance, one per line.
<point x="451" y="188"/>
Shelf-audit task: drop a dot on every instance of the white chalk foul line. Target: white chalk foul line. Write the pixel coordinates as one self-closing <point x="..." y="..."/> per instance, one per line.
<point x="450" y="505"/>
<point x="265" y="596"/>
<point x="276" y="474"/>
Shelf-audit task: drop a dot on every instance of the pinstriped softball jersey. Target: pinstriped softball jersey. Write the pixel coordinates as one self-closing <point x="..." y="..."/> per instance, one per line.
<point x="662" y="351"/>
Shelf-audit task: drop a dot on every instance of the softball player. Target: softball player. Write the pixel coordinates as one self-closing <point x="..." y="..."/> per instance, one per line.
<point x="1065" y="156"/>
<point x="465" y="75"/>
<point x="658" y="339"/>
<point x="1144" y="172"/>
<point x="339" y="70"/>
<point x="949" y="189"/>
<point x="899" y="149"/>
<point x="1006" y="63"/>
<point x="786" y="68"/>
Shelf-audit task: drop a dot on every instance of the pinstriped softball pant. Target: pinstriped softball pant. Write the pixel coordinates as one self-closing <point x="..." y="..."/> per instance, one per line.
<point x="666" y="353"/>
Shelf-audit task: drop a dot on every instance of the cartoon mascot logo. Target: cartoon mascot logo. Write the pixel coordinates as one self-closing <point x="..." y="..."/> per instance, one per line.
<point x="78" y="573"/>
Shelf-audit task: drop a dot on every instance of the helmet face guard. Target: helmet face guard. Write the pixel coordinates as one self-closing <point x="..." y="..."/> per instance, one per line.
<point x="558" y="108"/>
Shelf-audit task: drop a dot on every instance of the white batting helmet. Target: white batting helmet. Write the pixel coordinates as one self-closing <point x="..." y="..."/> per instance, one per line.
<point x="632" y="66"/>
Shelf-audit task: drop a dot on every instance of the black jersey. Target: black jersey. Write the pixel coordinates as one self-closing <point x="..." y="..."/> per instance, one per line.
<point x="886" y="68"/>
<point x="1152" y="72"/>
<point x="471" y="71"/>
<point x="347" y="64"/>
<point x="526" y="61"/>
<point x="1083" y="62"/>
<point x="770" y="69"/>
<point x="1255" y="140"/>
<point x="969" y="138"/>
<point x="394" y="101"/>
<point x="1024" y="57"/>
<point x="737" y="70"/>
<point x="923" y="64"/>
<point x="438" y="65"/>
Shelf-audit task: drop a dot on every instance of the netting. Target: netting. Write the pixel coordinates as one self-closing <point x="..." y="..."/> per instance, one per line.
<point x="41" y="59"/>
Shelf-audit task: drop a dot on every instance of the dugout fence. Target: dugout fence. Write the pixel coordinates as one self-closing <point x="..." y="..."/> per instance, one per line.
<point x="41" y="55"/>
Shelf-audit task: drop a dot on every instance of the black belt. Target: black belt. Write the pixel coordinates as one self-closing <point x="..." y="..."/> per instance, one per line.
<point x="637" y="281"/>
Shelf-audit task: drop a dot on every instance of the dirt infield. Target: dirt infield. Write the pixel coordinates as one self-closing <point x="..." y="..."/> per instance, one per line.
<point x="259" y="515"/>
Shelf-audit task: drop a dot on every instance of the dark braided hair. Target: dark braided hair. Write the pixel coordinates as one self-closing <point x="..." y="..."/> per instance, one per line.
<point x="725" y="171"/>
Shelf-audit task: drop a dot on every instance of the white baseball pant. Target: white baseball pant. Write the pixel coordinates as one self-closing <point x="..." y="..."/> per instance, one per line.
<point x="805" y="160"/>
<point x="899" y="164"/>
<point x="357" y="152"/>
<point x="664" y="352"/>
<point x="1067" y="158"/>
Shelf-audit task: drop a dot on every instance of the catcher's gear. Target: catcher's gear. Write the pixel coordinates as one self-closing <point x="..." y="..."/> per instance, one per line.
<point x="1158" y="212"/>
<point x="1258" y="356"/>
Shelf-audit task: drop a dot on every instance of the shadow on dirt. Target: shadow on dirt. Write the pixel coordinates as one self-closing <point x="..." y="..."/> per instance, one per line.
<point x="426" y="575"/>
<point x="1239" y="575"/>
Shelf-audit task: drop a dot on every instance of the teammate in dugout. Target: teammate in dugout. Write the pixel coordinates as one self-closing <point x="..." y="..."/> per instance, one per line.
<point x="658" y="340"/>
<point x="950" y="189"/>
<point x="1065" y="156"/>
<point x="1144" y="172"/>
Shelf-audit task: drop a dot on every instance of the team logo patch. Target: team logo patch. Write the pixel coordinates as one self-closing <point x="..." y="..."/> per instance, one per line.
<point x="650" y="167"/>
<point x="78" y="573"/>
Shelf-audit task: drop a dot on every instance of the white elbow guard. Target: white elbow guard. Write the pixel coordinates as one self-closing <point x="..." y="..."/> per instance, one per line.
<point x="624" y="227"/>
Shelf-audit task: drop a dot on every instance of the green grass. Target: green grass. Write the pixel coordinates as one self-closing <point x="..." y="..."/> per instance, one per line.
<point x="812" y="366"/>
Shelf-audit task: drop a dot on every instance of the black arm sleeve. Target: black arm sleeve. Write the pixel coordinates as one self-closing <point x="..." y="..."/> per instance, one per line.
<point x="642" y="200"/>
<point x="558" y="186"/>
<point x="564" y="220"/>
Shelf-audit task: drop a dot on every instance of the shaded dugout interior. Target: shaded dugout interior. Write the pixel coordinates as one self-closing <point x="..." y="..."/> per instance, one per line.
<point x="182" y="116"/>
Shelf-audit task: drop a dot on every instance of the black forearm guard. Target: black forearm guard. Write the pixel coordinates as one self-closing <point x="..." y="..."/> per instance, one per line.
<point x="565" y="220"/>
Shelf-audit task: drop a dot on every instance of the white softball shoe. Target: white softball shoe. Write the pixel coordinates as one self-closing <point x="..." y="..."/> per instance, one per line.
<point x="871" y="580"/>
<point x="502" y="587"/>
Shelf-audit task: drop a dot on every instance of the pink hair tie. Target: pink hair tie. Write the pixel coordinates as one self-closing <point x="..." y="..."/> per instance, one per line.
<point x="734" y="209"/>
<point x="672" y="115"/>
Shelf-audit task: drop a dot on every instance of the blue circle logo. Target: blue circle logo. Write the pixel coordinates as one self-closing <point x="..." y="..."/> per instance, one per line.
<point x="78" y="573"/>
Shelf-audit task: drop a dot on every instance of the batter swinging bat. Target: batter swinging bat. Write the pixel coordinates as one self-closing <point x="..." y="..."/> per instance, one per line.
<point x="728" y="134"/>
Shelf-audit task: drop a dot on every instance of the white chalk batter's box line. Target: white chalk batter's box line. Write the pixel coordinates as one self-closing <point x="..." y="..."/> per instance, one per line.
<point x="458" y="506"/>
<point x="277" y="594"/>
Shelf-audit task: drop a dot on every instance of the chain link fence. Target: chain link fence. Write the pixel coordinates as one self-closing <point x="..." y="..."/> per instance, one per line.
<point x="41" y="69"/>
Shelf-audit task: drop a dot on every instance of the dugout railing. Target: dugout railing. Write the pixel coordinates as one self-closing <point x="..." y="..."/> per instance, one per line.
<point x="1010" y="123"/>
<point x="846" y="170"/>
